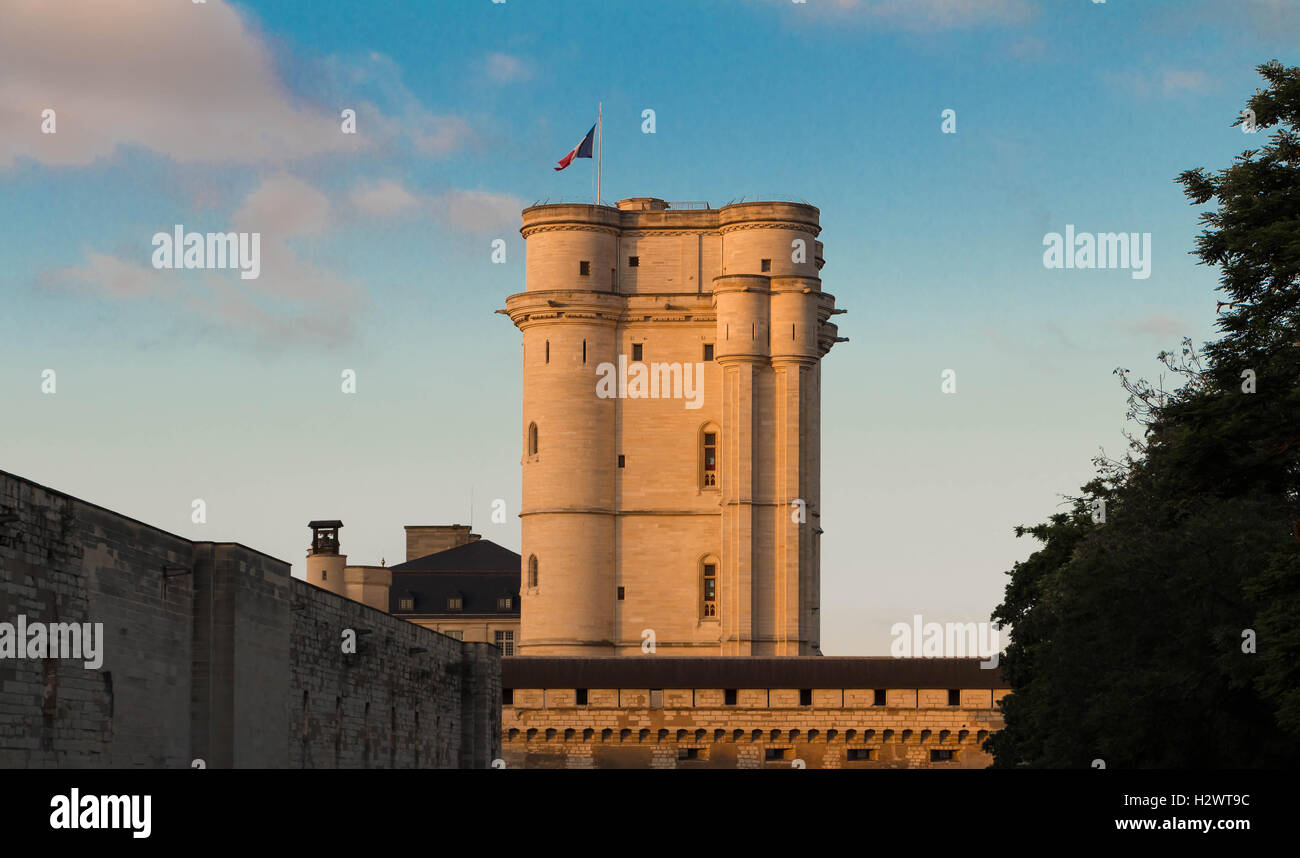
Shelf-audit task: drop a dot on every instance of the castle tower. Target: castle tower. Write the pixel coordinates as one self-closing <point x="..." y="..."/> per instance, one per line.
<point x="324" y="563"/>
<point x="671" y="363"/>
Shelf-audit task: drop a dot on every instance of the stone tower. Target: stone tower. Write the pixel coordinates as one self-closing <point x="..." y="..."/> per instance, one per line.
<point x="328" y="569"/>
<point x="671" y="428"/>
<point x="325" y="564"/>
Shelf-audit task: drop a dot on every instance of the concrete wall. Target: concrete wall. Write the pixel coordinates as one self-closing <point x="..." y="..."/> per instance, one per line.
<point x="208" y="649"/>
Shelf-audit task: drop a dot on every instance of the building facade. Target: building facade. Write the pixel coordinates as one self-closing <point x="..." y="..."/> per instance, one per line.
<point x="671" y="402"/>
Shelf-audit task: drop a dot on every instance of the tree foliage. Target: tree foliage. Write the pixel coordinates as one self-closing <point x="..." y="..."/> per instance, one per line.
<point x="1129" y="634"/>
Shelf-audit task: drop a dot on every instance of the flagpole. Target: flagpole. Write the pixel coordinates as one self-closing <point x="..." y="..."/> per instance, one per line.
<point x="600" y="150"/>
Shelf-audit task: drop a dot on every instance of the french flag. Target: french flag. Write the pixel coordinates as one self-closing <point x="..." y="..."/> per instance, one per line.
<point x="582" y="150"/>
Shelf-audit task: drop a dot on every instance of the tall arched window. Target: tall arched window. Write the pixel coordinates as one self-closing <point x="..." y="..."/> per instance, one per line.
<point x="532" y="439"/>
<point x="532" y="570"/>
<point x="709" y="588"/>
<point x="709" y="437"/>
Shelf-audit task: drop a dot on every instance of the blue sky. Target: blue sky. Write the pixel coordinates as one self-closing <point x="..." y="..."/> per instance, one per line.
<point x="176" y="385"/>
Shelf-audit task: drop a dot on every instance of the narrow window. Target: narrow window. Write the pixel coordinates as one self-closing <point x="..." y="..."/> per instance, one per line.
<point x="507" y="697"/>
<point x="633" y="261"/>
<point x="532" y="570"/>
<point x="620" y="594"/>
<point x="584" y="351"/>
<point x="455" y="603"/>
<point x="729" y="697"/>
<point x="805" y="696"/>
<point x="710" y="450"/>
<point x="505" y="603"/>
<point x="324" y="574"/>
<point x="709" y="590"/>
<point x="765" y="265"/>
<point x="532" y="439"/>
<point x="954" y="696"/>
<point x="636" y="351"/>
<point x="622" y="460"/>
<point x="945" y="756"/>
<point x="505" y="642"/>
<point x="584" y="268"/>
<point x="656" y="698"/>
<point x="580" y="696"/>
<point x="708" y="351"/>
<point x="880" y="698"/>
<point x="548" y="351"/>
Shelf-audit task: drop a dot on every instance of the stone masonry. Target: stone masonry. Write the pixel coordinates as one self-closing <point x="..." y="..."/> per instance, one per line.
<point x="213" y="652"/>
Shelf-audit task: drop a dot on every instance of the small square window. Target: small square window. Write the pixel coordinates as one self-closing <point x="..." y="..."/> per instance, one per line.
<point x="584" y="268"/>
<point x="879" y="698"/>
<point x="805" y="696"/>
<point x="456" y="603"/>
<point x="766" y="265"/>
<point x="633" y="261"/>
<point x="708" y="351"/>
<point x="636" y="351"/>
<point x="954" y="696"/>
<point x="580" y="696"/>
<point x="945" y="756"/>
<point x="729" y="697"/>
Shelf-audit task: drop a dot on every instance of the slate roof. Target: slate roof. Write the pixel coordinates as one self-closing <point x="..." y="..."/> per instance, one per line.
<point x="479" y="572"/>
<point x="746" y="672"/>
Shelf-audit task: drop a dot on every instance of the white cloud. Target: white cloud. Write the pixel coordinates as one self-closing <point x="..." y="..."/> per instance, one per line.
<point x="291" y="302"/>
<point x="477" y="211"/>
<point x="504" y="68"/>
<point x="1159" y="82"/>
<point x="284" y="206"/>
<point x="922" y="15"/>
<point x="383" y="198"/>
<point x="191" y="81"/>
<point x="1157" y="325"/>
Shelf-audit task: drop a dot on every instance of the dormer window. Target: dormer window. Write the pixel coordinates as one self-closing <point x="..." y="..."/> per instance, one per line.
<point x="456" y="603"/>
<point x="505" y="603"/>
<point x="406" y="603"/>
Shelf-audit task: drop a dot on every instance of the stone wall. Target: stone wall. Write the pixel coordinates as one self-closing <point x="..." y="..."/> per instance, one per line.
<point x="547" y="725"/>
<point x="407" y="697"/>
<point x="208" y="650"/>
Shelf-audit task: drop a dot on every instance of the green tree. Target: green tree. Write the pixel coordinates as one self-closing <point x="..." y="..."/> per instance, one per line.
<point x="1128" y="633"/>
